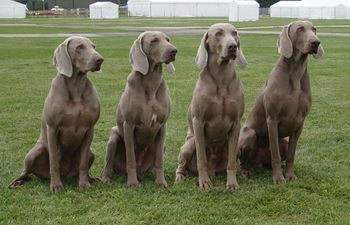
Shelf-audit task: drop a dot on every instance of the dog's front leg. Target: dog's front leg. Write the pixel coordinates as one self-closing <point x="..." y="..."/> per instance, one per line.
<point x="293" y="140"/>
<point x="232" y="183"/>
<point x="54" y="158"/>
<point x="277" y="175"/>
<point x="130" y="154"/>
<point x="84" y="159"/>
<point x="202" y="164"/>
<point x="159" y="159"/>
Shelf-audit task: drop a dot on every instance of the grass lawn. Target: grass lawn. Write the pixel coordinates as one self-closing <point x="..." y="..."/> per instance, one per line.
<point x="321" y="195"/>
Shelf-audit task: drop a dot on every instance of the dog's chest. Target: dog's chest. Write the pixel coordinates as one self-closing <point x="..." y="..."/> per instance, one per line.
<point x="295" y="109"/>
<point x="74" y="121"/>
<point x="222" y="104"/>
<point x="221" y="111"/>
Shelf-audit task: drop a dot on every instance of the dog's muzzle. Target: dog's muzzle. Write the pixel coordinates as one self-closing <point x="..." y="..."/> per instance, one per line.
<point x="172" y="55"/>
<point x="98" y="62"/>
<point x="314" y="46"/>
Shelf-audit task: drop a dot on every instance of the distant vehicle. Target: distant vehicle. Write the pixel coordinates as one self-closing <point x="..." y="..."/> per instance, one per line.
<point x="57" y="9"/>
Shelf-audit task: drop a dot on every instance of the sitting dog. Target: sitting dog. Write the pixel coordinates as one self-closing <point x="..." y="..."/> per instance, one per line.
<point x="283" y="104"/>
<point x="216" y="109"/>
<point x="71" y="110"/>
<point x="136" y="144"/>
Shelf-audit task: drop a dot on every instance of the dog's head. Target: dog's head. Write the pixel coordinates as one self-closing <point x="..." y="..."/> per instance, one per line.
<point x="299" y="36"/>
<point x="221" y="40"/>
<point x="152" y="47"/>
<point x="77" y="53"/>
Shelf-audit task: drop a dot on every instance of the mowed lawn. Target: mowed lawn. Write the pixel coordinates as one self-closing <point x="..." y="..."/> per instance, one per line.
<point x="321" y="195"/>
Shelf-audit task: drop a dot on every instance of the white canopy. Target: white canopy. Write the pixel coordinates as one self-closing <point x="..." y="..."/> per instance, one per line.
<point x="12" y="9"/>
<point x="104" y="10"/>
<point x="179" y="8"/>
<point x="312" y="9"/>
<point x="244" y="10"/>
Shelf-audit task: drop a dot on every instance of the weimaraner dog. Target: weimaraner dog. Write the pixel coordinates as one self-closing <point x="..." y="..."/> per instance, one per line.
<point x="136" y="143"/>
<point x="216" y="109"/>
<point x="70" y="112"/>
<point x="275" y="123"/>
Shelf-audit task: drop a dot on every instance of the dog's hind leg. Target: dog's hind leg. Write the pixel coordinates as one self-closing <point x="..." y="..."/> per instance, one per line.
<point x="32" y="164"/>
<point x="110" y="155"/>
<point x="185" y="156"/>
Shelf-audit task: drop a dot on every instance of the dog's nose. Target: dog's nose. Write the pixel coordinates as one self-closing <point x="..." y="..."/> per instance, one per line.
<point x="173" y="52"/>
<point x="315" y="44"/>
<point x="232" y="47"/>
<point x="99" y="60"/>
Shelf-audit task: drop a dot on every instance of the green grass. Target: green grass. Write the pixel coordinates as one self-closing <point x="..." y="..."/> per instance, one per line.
<point x="321" y="195"/>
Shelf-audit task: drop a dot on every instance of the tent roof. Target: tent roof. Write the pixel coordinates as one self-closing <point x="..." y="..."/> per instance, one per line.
<point x="317" y="3"/>
<point x="246" y="2"/>
<point x="102" y="3"/>
<point x="184" y="1"/>
<point x="10" y="3"/>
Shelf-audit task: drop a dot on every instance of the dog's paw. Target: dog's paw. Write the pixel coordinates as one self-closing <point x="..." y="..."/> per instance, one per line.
<point x="18" y="181"/>
<point x="133" y="182"/>
<point x="94" y="179"/>
<point x="162" y="183"/>
<point x="106" y="180"/>
<point x="204" y="182"/>
<point x="84" y="184"/>
<point x="232" y="186"/>
<point x="245" y="174"/>
<point x="278" y="179"/>
<point x="56" y="186"/>
<point x="179" y="177"/>
<point x="290" y="176"/>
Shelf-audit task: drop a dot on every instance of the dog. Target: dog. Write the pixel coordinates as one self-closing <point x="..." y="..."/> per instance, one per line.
<point x="71" y="110"/>
<point x="216" y="109"/>
<point x="136" y="144"/>
<point x="274" y="125"/>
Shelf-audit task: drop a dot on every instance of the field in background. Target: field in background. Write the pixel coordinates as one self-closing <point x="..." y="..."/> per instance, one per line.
<point x="321" y="195"/>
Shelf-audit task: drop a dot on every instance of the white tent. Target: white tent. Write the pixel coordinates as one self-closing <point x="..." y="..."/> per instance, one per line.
<point x="104" y="10"/>
<point x="312" y="9"/>
<point x="244" y="10"/>
<point x="12" y="9"/>
<point x="179" y="8"/>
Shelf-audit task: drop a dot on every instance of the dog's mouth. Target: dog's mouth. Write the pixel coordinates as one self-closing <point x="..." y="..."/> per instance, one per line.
<point x="96" y="68"/>
<point x="313" y="50"/>
<point x="170" y="59"/>
<point x="230" y="55"/>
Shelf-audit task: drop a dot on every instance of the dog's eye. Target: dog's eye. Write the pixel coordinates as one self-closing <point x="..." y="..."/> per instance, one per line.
<point x="94" y="46"/>
<point x="80" y="47"/>
<point x="167" y="39"/>
<point x="301" y="29"/>
<point x="219" y="33"/>
<point x="155" y="40"/>
<point x="314" y="29"/>
<point x="234" y="33"/>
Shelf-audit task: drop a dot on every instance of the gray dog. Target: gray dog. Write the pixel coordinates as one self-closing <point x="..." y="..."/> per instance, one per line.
<point x="275" y="123"/>
<point x="136" y="144"/>
<point x="216" y="109"/>
<point x="70" y="112"/>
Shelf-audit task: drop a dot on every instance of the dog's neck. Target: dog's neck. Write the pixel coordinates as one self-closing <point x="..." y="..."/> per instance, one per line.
<point x="76" y="84"/>
<point x="152" y="80"/>
<point x="221" y="71"/>
<point x="295" y="66"/>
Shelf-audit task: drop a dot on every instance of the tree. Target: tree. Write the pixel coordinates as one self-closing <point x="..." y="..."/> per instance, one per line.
<point x="266" y="3"/>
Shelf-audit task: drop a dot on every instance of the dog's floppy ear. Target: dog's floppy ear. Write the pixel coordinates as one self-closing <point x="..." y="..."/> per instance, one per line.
<point x="170" y="67"/>
<point x="137" y="57"/>
<point x="284" y="43"/>
<point x="202" y="53"/>
<point x="319" y="53"/>
<point x="62" y="60"/>
<point x="242" y="62"/>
